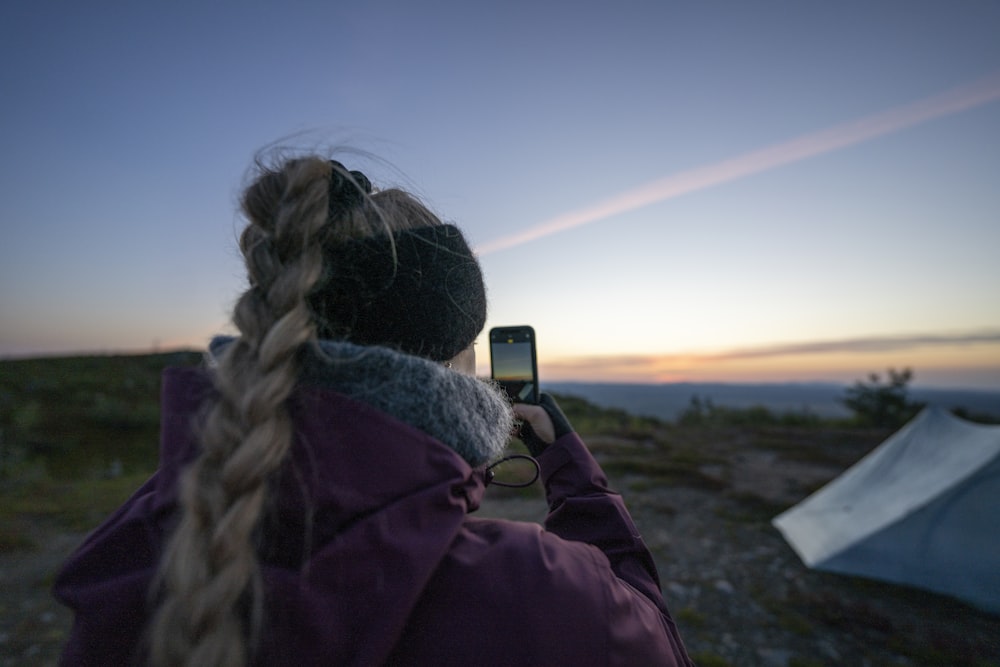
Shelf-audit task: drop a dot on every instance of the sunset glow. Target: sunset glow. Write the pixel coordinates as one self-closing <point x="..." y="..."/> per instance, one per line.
<point x="975" y="364"/>
<point x="678" y="192"/>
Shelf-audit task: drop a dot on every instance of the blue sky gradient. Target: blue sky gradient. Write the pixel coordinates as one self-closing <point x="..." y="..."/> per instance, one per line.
<point x="129" y="130"/>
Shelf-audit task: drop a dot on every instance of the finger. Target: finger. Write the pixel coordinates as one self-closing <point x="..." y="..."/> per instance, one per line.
<point x="529" y="412"/>
<point x="539" y="420"/>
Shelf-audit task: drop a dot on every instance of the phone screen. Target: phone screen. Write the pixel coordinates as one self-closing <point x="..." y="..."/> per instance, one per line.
<point x="513" y="362"/>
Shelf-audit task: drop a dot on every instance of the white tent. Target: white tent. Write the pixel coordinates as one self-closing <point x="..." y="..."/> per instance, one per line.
<point x="920" y="509"/>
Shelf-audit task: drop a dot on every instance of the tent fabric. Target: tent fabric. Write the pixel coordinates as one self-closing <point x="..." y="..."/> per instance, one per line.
<point x="920" y="509"/>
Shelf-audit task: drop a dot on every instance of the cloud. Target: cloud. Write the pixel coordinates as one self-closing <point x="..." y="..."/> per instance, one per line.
<point x="631" y="363"/>
<point x="968" y="96"/>
<point x="856" y="345"/>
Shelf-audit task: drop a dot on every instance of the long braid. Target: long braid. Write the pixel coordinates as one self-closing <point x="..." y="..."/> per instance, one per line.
<point x="210" y="574"/>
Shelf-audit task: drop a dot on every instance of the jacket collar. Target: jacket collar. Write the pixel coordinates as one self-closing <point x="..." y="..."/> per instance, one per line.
<point x="469" y="415"/>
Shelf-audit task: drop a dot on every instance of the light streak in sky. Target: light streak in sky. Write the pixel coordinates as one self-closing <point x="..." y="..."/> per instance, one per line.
<point x="968" y="96"/>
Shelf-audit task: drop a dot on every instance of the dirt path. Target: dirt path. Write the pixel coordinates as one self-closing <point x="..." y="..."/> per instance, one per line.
<point x="33" y="625"/>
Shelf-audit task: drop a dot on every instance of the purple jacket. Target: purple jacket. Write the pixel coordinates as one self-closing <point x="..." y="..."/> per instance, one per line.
<point x="370" y="555"/>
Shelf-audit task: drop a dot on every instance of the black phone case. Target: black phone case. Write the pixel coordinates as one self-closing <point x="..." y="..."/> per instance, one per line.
<point x="515" y="370"/>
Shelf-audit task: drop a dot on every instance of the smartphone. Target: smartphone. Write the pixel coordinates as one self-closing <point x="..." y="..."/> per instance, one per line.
<point x="513" y="362"/>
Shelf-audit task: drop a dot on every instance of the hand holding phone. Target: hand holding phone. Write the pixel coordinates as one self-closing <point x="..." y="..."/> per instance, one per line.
<point x="513" y="362"/>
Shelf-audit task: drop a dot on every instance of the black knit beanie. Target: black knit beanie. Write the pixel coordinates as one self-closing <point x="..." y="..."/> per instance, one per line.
<point x="427" y="298"/>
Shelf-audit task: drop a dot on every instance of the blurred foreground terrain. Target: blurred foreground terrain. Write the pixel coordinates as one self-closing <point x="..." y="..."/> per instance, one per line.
<point x="78" y="435"/>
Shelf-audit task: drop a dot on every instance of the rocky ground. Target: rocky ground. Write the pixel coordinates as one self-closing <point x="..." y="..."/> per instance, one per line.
<point x="739" y="594"/>
<point x="32" y="625"/>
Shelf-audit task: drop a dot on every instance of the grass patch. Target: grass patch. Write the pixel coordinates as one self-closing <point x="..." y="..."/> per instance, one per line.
<point x="795" y="623"/>
<point x="749" y="508"/>
<point x="691" y="617"/>
<point x="796" y="661"/>
<point x="663" y="472"/>
<point x="856" y="608"/>
<point x="14" y="537"/>
<point x="709" y="659"/>
<point x="591" y="419"/>
<point x="836" y="447"/>
<point x="78" y="506"/>
<point x="82" y="415"/>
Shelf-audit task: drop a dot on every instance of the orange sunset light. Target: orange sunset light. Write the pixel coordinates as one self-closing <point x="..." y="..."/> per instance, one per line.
<point x="941" y="365"/>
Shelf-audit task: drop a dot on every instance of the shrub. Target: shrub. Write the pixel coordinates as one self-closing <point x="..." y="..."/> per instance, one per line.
<point x="882" y="405"/>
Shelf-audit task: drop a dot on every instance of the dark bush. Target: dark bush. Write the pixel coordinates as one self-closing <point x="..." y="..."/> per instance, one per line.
<point x="882" y="405"/>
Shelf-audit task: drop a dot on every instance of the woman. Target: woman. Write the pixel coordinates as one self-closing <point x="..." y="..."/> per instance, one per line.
<point x="316" y="479"/>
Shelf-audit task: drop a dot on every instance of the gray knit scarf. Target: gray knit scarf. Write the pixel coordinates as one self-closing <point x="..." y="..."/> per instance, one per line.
<point x="469" y="415"/>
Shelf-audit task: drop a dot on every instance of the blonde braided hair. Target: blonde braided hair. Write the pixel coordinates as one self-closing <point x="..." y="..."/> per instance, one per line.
<point x="209" y="581"/>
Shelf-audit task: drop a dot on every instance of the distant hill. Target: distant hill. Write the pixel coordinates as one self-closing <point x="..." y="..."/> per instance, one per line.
<point x="667" y="401"/>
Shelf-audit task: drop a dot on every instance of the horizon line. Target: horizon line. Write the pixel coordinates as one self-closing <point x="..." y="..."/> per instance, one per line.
<point x="915" y="384"/>
<point x="589" y="380"/>
<point x="872" y="343"/>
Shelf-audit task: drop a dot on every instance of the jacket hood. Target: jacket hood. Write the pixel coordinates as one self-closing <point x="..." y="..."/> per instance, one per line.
<point x="372" y="427"/>
<point x="375" y="489"/>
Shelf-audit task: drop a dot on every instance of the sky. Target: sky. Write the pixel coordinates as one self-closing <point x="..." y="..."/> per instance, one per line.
<point x="666" y="191"/>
